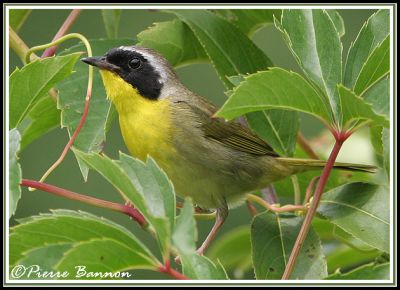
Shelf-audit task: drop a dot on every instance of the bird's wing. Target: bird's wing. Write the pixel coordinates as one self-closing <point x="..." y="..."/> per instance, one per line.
<point x="231" y="134"/>
<point x="236" y="136"/>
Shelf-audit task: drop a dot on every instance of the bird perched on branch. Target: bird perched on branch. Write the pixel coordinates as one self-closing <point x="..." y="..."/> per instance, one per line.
<point x="213" y="161"/>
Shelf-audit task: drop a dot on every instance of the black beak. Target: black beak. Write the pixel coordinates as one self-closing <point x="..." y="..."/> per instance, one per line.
<point x="101" y="63"/>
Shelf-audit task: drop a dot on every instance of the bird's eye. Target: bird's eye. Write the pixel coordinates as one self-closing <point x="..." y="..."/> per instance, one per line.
<point x="135" y="63"/>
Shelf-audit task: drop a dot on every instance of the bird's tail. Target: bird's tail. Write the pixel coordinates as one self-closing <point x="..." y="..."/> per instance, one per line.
<point x="299" y="165"/>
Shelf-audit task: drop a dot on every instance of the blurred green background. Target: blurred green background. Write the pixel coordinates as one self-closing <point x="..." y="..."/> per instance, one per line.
<point x="40" y="28"/>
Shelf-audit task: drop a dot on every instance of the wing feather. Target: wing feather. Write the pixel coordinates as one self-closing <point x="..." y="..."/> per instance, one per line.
<point x="236" y="136"/>
<point x="232" y="134"/>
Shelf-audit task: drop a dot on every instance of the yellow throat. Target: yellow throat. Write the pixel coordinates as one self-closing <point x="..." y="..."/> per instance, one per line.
<point x="145" y="124"/>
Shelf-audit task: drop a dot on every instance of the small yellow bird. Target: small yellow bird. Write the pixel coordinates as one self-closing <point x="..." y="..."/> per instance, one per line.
<point x="213" y="161"/>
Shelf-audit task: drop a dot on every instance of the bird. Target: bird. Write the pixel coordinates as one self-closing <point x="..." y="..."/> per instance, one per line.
<point x="213" y="161"/>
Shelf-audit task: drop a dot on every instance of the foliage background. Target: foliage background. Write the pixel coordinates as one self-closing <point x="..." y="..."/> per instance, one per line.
<point x="40" y="28"/>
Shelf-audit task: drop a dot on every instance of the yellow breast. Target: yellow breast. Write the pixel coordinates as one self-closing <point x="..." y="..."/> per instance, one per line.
<point x="145" y="124"/>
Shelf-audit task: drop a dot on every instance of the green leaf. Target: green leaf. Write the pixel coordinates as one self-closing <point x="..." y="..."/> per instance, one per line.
<point x="378" y="96"/>
<point x="225" y="46"/>
<point x="103" y="255"/>
<point x="66" y="226"/>
<point x="345" y="257"/>
<point x="376" y="66"/>
<point x="324" y="229"/>
<point x="53" y="254"/>
<point x="337" y="21"/>
<point x="373" y="32"/>
<point x="355" y="108"/>
<point x="15" y="171"/>
<point x="365" y="272"/>
<point x="230" y="51"/>
<point x="136" y="181"/>
<point x="275" y="88"/>
<point x="349" y="240"/>
<point x="184" y="236"/>
<point x="315" y="43"/>
<point x="116" y="175"/>
<point x="111" y="19"/>
<point x="233" y="250"/>
<point x="341" y="249"/>
<point x="18" y="17"/>
<point x="180" y="48"/>
<point x="376" y="138"/>
<point x="277" y="127"/>
<point x="71" y="102"/>
<point x="236" y="80"/>
<point x="360" y="209"/>
<point x="249" y="20"/>
<point x="153" y="184"/>
<point x="273" y="237"/>
<point x="43" y="118"/>
<point x="33" y="81"/>
<point x="202" y="268"/>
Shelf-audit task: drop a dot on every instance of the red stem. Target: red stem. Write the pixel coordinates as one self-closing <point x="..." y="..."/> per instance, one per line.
<point x="125" y="209"/>
<point x="62" y="31"/>
<point x="49" y="52"/>
<point x="340" y="138"/>
<point x="173" y="273"/>
<point x="252" y="209"/>
<point x="73" y="137"/>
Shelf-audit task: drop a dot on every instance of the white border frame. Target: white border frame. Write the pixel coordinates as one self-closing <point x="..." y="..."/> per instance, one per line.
<point x="393" y="38"/>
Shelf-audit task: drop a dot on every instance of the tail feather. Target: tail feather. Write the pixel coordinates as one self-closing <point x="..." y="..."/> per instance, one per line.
<point x="300" y="165"/>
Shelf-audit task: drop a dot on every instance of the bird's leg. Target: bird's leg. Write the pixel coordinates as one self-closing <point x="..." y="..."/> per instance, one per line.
<point x="222" y="213"/>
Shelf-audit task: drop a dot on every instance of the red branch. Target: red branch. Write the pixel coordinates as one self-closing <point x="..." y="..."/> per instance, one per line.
<point x="74" y="136"/>
<point x="169" y="271"/>
<point x="125" y="209"/>
<point x="62" y="31"/>
<point x="340" y="138"/>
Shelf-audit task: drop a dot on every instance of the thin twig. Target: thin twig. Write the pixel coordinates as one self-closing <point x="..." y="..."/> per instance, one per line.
<point x="125" y="209"/>
<point x="306" y="146"/>
<point x="205" y="216"/>
<point x="296" y="189"/>
<point x="273" y="208"/>
<point x="19" y="46"/>
<point x="87" y="98"/>
<point x="340" y="138"/>
<point x="252" y="209"/>
<point x="310" y="189"/>
<point x="62" y="31"/>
